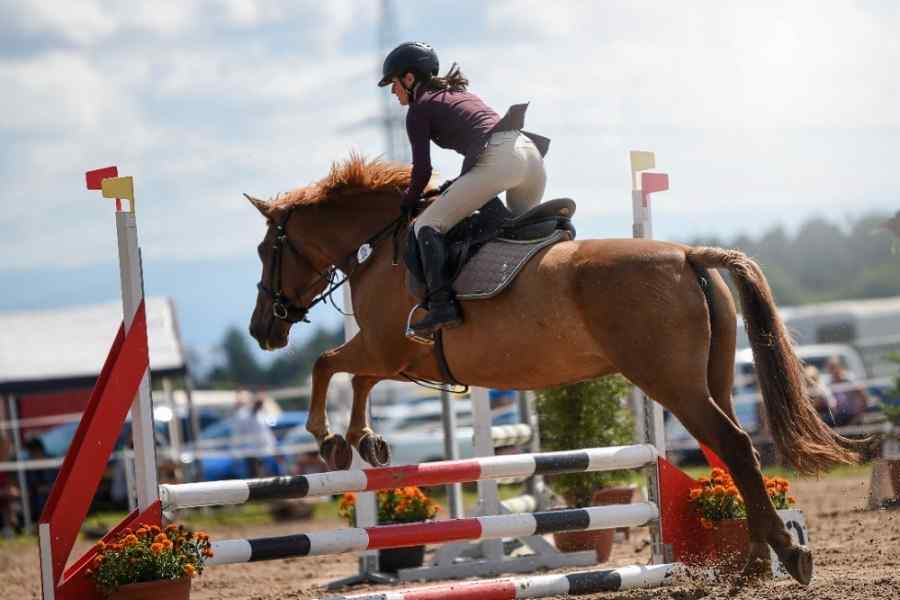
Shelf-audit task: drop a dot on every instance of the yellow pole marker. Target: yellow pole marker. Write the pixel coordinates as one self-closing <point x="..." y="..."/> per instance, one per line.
<point x="641" y="160"/>
<point x="119" y="187"/>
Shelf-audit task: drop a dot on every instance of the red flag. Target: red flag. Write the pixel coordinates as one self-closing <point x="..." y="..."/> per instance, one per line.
<point x="654" y="182"/>
<point x="95" y="178"/>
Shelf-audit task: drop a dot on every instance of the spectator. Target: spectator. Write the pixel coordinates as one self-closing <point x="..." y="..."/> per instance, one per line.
<point x="820" y="395"/>
<point x="851" y="400"/>
<point x="39" y="480"/>
<point x="252" y="434"/>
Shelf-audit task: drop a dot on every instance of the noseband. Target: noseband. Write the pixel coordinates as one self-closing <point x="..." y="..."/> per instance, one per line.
<point x="284" y="308"/>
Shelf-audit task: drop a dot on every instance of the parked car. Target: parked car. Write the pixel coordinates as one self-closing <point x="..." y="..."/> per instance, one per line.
<point x="217" y="457"/>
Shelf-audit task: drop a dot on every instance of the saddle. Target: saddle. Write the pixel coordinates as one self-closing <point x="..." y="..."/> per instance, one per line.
<point x="488" y="249"/>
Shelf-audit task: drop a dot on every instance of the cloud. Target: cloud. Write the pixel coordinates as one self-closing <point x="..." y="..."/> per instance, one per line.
<point x="768" y="109"/>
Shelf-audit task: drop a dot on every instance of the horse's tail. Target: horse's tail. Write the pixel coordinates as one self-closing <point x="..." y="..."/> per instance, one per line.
<point x="802" y="438"/>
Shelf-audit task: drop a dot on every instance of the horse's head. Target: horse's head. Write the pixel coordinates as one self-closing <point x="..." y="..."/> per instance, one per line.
<point x="292" y="276"/>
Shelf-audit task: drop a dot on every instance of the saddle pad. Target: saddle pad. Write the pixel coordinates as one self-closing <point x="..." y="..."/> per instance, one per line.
<point x="497" y="263"/>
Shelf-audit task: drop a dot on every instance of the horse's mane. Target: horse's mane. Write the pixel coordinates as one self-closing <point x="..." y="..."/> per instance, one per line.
<point x="353" y="175"/>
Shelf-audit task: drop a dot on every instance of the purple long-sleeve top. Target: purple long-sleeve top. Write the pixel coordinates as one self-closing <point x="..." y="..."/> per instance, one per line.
<point x="458" y="121"/>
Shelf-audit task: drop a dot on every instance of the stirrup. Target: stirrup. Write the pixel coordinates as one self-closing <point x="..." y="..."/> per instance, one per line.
<point x="411" y="333"/>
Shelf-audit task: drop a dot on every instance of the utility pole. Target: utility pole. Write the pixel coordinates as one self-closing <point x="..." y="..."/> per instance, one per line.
<point x="393" y="118"/>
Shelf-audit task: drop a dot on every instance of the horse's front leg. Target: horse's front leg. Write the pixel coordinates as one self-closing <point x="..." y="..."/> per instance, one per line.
<point x="371" y="446"/>
<point x="351" y="357"/>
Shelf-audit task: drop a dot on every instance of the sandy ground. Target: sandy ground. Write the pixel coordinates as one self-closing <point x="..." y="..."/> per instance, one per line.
<point x="857" y="557"/>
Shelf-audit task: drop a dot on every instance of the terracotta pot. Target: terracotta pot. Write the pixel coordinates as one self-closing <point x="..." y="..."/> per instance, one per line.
<point x="163" y="589"/>
<point x="725" y="546"/>
<point x="598" y="540"/>
<point x="390" y="560"/>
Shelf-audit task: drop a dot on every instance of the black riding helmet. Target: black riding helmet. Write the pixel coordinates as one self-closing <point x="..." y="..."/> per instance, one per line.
<point x="417" y="57"/>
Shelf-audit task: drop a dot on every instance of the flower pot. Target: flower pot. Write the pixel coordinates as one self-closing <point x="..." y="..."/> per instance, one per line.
<point x="725" y="546"/>
<point x="163" y="589"/>
<point x="598" y="540"/>
<point x="391" y="560"/>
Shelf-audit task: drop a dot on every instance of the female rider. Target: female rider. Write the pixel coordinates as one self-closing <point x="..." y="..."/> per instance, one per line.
<point x="498" y="157"/>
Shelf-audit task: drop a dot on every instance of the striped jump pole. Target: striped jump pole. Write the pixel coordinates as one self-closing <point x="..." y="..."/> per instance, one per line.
<point x="510" y="435"/>
<point x="339" y="541"/>
<point x="239" y="491"/>
<point x="542" y="586"/>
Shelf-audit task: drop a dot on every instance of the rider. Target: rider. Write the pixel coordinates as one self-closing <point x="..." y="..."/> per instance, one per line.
<point x="498" y="157"/>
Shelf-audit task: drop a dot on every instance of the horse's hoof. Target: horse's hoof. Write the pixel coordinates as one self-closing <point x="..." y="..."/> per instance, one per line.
<point x="336" y="452"/>
<point x="374" y="450"/>
<point x="798" y="561"/>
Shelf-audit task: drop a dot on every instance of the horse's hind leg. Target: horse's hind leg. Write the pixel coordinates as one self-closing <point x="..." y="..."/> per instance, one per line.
<point x="712" y="427"/>
<point x="372" y="447"/>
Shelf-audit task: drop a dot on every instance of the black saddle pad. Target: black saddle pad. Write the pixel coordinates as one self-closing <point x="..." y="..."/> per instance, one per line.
<point x="495" y="222"/>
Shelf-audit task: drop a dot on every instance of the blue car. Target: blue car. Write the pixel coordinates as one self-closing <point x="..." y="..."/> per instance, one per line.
<point x="216" y="460"/>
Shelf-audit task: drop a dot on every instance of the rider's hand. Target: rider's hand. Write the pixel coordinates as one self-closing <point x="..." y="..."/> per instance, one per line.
<point x="408" y="208"/>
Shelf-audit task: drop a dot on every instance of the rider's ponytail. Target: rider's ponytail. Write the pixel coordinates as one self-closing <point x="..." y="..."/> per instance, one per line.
<point x="454" y="80"/>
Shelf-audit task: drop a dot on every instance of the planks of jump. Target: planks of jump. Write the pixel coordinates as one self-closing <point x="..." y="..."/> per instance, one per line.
<point x="540" y="586"/>
<point x="239" y="491"/>
<point x="357" y="539"/>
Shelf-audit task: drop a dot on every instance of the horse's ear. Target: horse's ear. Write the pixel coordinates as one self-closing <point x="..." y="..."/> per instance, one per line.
<point x="260" y="205"/>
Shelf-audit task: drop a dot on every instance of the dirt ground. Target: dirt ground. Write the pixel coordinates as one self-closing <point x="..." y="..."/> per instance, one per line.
<point x="857" y="557"/>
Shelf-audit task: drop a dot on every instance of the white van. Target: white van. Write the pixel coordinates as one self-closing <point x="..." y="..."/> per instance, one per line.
<point x="814" y="354"/>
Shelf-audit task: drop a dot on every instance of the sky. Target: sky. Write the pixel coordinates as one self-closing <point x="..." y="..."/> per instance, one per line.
<point x="762" y="113"/>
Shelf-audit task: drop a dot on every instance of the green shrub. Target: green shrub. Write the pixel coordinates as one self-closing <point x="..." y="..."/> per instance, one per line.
<point x="590" y="414"/>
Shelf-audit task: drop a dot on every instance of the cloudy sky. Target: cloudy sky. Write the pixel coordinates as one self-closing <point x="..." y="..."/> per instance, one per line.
<point x="761" y="112"/>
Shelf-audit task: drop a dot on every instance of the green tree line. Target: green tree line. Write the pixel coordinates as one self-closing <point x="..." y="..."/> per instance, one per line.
<point x="821" y="262"/>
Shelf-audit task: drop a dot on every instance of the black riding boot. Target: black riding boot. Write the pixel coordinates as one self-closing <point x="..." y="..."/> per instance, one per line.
<point x="443" y="310"/>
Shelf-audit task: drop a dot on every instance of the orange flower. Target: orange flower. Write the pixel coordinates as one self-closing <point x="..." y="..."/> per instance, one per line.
<point x="719" y="490"/>
<point x="100" y="546"/>
<point x="731" y="491"/>
<point x="96" y="562"/>
<point x="792" y="500"/>
<point x="171" y="527"/>
<point x="160" y="538"/>
<point x="695" y="493"/>
<point x="130" y="540"/>
<point x="156" y="548"/>
<point x="189" y="570"/>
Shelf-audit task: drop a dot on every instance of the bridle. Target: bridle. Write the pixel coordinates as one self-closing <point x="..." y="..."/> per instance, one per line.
<point x="284" y="308"/>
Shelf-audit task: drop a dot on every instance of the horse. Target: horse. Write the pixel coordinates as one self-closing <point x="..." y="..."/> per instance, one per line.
<point x="659" y="313"/>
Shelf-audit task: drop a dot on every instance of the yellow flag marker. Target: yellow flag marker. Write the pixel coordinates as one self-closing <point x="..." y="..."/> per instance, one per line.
<point x="118" y="187"/>
<point x="641" y="160"/>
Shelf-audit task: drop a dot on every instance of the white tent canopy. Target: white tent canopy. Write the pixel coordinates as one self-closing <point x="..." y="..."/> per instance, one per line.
<point x="72" y="343"/>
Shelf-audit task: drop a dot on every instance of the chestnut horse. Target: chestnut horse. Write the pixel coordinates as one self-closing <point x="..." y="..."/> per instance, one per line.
<point x="648" y="310"/>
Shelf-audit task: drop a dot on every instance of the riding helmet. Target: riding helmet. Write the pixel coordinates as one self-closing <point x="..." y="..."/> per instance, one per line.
<point x="417" y="57"/>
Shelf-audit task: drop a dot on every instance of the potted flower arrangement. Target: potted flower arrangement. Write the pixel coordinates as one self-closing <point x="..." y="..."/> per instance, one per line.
<point x="723" y="517"/>
<point x="149" y="562"/>
<point x="399" y="505"/>
<point x="589" y="414"/>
